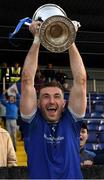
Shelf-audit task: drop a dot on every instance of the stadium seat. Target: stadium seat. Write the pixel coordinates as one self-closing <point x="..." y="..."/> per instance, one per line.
<point x="89" y="146"/>
<point x="101" y="127"/>
<point x="93" y="126"/>
<point x="101" y="146"/>
<point x="96" y="114"/>
<point x="92" y="146"/>
<point x="95" y="121"/>
<point x="101" y="137"/>
<point x="92" y="137"/>
<point x="87" y="115"/>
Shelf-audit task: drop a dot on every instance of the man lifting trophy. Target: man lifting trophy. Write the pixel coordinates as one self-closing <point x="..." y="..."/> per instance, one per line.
<point x="51" y="126"/>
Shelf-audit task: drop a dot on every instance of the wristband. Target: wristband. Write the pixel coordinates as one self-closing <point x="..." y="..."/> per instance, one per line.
<point x="36" y="40"/>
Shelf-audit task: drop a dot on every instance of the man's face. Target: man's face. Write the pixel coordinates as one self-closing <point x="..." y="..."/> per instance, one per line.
<point x="52" y="103"/>
<point x="83" y="137"/>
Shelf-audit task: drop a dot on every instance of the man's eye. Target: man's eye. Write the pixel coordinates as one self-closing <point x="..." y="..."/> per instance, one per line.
<point x="45" y="96"/>
<point x="57" y="96"/>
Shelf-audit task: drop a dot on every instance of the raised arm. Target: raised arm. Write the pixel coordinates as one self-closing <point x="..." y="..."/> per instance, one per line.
<point x="28" y="102"/>
<point x="77" y="98"/>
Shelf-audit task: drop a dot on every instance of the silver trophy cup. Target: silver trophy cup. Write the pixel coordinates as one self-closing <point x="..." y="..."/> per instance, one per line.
<point x="57" y="32"/>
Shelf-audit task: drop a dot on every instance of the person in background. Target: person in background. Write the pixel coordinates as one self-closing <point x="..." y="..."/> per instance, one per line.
<point x="51" y="131"/>
<point x="15" y="73"/>
<point x="86" y="156"/>
<point x="4" y="76"/>
<point x="49" y="73"/>
<point x="6" y="73"/>
<point x="61" y="76"/>
<point x="2" y="114"/>
<point x="7" y="152"/>
<point x="12" y="105"/>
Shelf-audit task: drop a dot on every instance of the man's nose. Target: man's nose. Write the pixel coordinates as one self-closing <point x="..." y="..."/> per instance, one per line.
<point x="81" y="135"/>
<point x="52" y="100"/>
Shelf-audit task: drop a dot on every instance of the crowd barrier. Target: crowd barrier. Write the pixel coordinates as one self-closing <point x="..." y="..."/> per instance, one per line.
<point x="94" y="172"/>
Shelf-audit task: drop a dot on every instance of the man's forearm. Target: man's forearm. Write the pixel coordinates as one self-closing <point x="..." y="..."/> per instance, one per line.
<point x="76" y="63"/>
<point x="31" y="62"/>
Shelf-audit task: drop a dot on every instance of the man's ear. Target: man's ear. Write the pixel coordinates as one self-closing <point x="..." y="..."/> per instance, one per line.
<point x="87" y="136"/>
<point x="64" y="103"/>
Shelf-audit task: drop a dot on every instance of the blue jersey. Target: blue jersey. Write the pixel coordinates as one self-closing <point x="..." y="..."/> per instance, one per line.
<point x="53" y="150"/>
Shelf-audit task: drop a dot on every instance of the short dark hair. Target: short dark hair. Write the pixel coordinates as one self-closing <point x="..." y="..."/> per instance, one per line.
<point x="52" y="84"/>
<point x="84" y="126"/>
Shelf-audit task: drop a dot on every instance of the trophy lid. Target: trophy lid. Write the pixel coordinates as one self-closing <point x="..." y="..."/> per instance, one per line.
<point x="47" y="10"/>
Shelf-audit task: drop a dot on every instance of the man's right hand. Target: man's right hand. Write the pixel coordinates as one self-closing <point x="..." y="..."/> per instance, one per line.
<point x="35" y="28"/>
